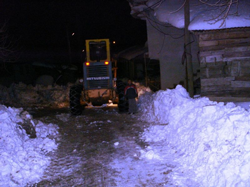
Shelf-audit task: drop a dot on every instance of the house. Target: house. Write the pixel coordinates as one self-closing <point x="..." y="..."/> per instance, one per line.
<point x="219" y="43"/>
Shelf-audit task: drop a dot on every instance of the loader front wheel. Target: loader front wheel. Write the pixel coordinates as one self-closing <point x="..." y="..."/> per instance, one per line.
<point x="75" y="96"/>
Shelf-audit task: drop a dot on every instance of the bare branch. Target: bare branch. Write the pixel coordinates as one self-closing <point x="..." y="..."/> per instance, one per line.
<point x="179" y="8"/>
<point x="225" y="5"/>
<point x="8" y="50"/>
<point x="219" y="3"/>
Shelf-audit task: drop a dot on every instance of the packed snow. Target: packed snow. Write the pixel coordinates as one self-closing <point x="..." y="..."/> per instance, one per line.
<point x="191" y="142"/>
<point x="23" y="159"/>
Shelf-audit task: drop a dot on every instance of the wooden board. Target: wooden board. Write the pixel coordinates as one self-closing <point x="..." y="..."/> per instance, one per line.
<point x="225" y="62"/>
<point x="240" y="84"/>
<point x="217" y="81"/>
<point x="224" y="34"/>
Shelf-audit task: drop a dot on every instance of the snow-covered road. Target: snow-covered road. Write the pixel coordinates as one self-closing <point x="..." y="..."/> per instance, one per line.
<point x="87" y="145"/>
<point x="173" y="140"/>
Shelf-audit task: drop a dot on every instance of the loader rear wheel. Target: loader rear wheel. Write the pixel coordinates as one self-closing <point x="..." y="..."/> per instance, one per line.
<point x="75" y="96"/>
<point x="123" y="103"/>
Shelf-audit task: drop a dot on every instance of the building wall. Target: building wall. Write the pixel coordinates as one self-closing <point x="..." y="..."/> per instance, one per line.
<point x="166" y="44"/>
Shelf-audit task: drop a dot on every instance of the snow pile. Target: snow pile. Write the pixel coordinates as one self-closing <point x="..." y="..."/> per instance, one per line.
<point x="141" y="89"/>
<point x="19" y="95"/>
<point x="208" y="143"/>
<point x="22" y="159"/>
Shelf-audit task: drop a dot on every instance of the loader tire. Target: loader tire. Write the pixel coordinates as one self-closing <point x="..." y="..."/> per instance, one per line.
<point x="75" y="96"/>
<point x="123" y="103"/>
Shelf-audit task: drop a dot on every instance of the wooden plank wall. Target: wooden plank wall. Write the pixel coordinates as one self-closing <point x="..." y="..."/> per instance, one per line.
<point x="225" y="62"/>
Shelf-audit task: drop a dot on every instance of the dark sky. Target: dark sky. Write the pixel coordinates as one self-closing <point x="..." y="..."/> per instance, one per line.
<point x="45" y="24"/>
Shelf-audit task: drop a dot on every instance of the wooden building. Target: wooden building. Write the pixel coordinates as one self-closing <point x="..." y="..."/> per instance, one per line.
<point x="225" y="62"/>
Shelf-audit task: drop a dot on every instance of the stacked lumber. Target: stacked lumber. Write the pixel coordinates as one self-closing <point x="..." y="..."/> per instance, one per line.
<point x="225" y="62"/>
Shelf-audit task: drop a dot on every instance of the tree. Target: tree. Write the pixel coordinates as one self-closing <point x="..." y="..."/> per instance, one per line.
<point x="224" y="6"/>
<point x="8" y="49"/>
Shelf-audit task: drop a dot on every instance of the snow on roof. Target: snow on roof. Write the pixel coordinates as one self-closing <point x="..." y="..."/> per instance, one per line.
<point x="203" y="16"/>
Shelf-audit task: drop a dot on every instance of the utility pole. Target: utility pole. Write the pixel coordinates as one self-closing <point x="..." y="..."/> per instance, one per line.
<point x="187" y="50"/>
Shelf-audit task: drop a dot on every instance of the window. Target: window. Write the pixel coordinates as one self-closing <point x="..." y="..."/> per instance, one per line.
<point x="98" y="51"/>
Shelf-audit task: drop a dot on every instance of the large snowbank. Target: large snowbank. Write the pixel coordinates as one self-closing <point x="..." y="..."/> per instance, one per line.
<point x="189" y="142"/>
<point x="23" y="159"/>
<point x="208" y="143"/>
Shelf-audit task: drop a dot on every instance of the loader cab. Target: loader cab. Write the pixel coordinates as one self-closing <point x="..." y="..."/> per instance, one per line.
<point x="97" y="51"/>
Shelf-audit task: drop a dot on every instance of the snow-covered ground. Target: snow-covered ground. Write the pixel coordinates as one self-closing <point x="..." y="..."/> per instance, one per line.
<point x="23" y="159"/>
<point x="208" y="142"/>
<point x="190" y="142"/>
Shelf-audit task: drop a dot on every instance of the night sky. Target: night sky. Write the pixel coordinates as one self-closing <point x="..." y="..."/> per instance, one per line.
<point x="47" y="25"/>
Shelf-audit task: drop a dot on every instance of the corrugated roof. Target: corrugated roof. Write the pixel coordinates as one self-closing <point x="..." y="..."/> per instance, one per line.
<point x="217" y="30"/>
<point x="132" y="52"/>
